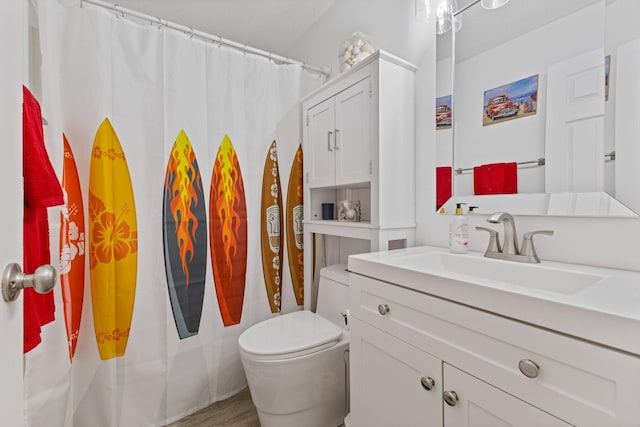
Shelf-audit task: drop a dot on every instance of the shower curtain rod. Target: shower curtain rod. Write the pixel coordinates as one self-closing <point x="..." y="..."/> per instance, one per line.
<point x="206" y="36"/>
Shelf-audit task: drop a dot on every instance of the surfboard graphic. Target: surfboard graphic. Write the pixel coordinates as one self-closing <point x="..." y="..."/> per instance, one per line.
<point x="270" y="226"/>
<point x="184" y="236"/>
<point x="228" y="232"/>
<point x="113" y="243"/>
<point x="294" y="228"/>
<point x="72" y="248"/>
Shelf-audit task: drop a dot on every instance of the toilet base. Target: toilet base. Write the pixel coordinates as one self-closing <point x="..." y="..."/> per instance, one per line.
<point x="312" y="417"/>
<point x="307" y="391"/>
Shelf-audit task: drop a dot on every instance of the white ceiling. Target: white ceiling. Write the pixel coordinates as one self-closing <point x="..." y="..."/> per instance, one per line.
<point x="483" y="29"/>
<point x="271" y="25"/>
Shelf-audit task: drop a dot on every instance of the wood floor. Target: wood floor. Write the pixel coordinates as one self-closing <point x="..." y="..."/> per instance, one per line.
<point x="236" y="411"/>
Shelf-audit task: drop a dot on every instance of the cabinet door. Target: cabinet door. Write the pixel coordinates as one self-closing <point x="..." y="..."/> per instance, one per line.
<point x="386" y="381"/>
<point x="480" y="404"/>
<point x="353" y="134"/>
<point x="320" y="143"/>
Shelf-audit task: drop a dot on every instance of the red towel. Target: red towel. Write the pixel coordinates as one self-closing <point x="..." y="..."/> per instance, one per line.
<point x="443" y="185"/>
<point x="41" y="190"/>
<point x="496" y="178"/>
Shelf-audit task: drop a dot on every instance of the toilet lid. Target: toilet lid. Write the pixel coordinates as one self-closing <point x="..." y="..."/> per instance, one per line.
<point x="295" y="332"/>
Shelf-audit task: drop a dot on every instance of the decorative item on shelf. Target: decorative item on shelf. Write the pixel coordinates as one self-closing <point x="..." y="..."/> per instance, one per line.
<point x="348" y="210"/>
<point x="354" y="49"/>
<point x="327" y="211"/>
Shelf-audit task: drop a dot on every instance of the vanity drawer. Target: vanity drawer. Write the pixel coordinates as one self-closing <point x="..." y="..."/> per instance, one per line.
<point x="579" y="382"/>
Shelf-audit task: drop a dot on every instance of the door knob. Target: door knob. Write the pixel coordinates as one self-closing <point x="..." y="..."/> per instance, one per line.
<point x="383" y="309"/>
<point x="14" y="280"/>
<point x="450" y="397"/>
<point x="427" y="382"/>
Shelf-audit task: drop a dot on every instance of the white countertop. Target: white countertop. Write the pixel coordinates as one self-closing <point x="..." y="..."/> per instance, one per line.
<point x="606" y="312"/>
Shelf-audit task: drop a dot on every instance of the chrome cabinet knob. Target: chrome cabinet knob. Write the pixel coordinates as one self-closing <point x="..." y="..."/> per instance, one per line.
<point x="529" y="368"/>
<point x="383" y="309"/>
<point x="427" y="382"/>
<point x="14" y="280"/>
<point x="450" y="397"/>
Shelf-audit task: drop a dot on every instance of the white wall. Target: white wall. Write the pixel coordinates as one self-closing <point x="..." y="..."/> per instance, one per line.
<point x="389" y="23"/>
<point x="594" y="241"/>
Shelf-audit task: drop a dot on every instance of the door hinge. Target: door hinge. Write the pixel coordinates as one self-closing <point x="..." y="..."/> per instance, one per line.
<point x="370" y="167"/>
<point x="307" y="177"/>
<point x="307" y="119"/>
<point x="370" y="89"/>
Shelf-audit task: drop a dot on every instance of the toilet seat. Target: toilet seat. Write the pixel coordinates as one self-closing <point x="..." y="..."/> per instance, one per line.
<point x="290" y="335"/>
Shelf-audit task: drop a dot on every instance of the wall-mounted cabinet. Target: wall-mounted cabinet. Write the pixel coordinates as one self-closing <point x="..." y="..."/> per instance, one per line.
<point x="338" y="136"/>
<point x="359" y="134"/>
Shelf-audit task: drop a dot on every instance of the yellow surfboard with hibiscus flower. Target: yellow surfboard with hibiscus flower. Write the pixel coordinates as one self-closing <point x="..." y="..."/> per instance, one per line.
<point x="113" y="243"/>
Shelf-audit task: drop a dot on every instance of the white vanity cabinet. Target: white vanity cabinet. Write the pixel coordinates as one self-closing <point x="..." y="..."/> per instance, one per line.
<point x="359" y="135"/>
<point x="502" y="371"/>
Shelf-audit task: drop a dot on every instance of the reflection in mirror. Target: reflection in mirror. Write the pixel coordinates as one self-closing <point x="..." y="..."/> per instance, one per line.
<point x="532" y="132"/>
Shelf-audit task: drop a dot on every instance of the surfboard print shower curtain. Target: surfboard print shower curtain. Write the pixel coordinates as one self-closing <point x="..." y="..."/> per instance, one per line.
<point x="157" y="88"/>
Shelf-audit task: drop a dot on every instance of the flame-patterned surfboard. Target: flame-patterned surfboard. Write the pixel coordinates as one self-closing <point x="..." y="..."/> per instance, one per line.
<point x="72" y="248"/>
<point x="294" y="227"/>
<point x="184" y="236"/>
<point x="228" y="232"/>
<point x="113" y="243"/>
<point x="270" y="229"/>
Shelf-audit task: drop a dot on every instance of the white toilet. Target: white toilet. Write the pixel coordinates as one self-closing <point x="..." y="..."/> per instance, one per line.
<point x="296" y="363"/>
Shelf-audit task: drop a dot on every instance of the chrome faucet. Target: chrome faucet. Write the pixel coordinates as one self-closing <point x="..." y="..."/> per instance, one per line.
<point x="510" y="242"/>
<point x="509" y="248"/>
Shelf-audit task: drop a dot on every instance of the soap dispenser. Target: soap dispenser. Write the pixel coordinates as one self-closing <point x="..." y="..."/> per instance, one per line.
<point x="459" y="232"/>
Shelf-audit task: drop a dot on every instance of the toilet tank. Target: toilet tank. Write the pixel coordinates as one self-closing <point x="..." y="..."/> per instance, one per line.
<point x="333" y="293"/>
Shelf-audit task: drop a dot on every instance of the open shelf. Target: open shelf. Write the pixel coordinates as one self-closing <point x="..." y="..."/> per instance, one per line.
<point x="356" y="230"/>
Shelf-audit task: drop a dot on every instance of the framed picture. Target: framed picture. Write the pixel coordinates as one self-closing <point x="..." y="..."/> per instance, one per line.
<point x="443" y="112"/>
<point x="511" y="101"/>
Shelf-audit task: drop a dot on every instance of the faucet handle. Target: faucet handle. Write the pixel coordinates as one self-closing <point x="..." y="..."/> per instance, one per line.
<point x="494" y="243"/>
<point x="527" y="244"/>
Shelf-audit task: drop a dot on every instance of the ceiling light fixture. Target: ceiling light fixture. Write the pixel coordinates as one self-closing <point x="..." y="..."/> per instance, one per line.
<point x="446" y="12"/>
<point x="493" y="4"/>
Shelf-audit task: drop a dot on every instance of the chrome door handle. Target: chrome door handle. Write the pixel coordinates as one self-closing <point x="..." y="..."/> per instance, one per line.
<point x="335" y="139"/>
<point x="14" y="280"/>
<point x="329" y="133"/>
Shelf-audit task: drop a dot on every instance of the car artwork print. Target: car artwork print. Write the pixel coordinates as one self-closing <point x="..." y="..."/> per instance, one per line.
<point x="443" y="112"/>
<point x="511" y="101"/>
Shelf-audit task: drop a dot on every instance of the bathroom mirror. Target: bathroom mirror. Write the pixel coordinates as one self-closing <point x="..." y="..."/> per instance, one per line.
<point x="571" y="145"/>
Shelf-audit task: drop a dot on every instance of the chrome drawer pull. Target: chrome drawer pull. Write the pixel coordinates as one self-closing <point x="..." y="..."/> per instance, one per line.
<point x="450" y="397"/>
<point x="383" y="309"/>
<point x="529" y="368"/>
<point x="427" y="382"/>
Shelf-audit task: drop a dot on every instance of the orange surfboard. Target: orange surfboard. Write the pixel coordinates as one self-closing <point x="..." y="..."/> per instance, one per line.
<point x="228" y="232"/>
<point x="113" y="243"/>
<point x="72" y="248"/>
<point x="270" y="229"/>
<point x="294" y="227"/>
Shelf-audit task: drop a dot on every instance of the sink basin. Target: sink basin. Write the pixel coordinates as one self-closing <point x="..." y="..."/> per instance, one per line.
<point x="534" y="276"/>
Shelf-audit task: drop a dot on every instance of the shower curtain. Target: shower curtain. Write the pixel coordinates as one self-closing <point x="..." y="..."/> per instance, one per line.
<point x="152" y="83"/>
